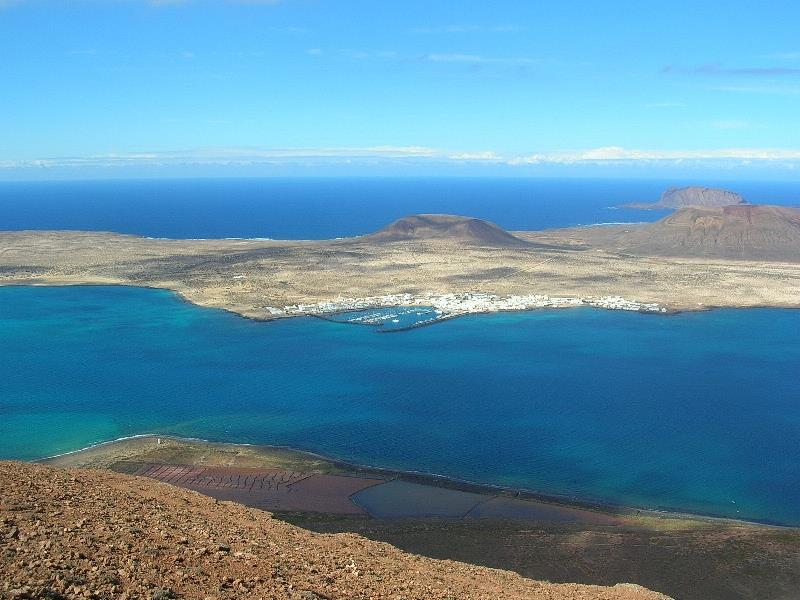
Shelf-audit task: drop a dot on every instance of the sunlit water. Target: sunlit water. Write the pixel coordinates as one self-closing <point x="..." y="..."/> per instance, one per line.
<point x="696" y="412"/>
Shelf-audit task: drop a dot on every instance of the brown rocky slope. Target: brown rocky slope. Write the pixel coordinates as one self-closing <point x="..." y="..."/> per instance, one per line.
<point x="97" y="534"/>
<point x="692" y="196"/>
<point x="446" y="228"/>
<point x="747" y="231"/>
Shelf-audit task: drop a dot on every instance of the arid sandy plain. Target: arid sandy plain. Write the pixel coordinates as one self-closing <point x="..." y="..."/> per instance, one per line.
<point x="250" y="276"/>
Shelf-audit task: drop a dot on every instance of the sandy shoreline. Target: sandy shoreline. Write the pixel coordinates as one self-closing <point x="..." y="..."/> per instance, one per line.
<point x="183" y="451"/>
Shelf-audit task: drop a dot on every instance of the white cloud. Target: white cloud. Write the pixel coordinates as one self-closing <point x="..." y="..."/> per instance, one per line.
<point x="612" y="154"/>
<point x="388" y="154"/>
<point x="487" y="155"/>
<point x="767" y="88"/>
<point x="404" y="150"/>
<point x="232" y="156"/>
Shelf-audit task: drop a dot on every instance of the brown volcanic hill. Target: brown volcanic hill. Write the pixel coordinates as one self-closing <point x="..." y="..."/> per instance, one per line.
<point x="698" y="196"/>
<point x="448" y="228"/>
<point x="98" y="534"/>
<point x="692" y="196"/>
<point x="747" y="231"/>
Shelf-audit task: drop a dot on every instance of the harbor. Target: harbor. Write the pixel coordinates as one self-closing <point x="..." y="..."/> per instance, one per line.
<point x="399" y="312"/>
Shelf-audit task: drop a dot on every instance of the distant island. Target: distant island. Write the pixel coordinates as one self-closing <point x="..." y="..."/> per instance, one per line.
<point x="698" y="257"/>
<point x="695" y="258"/>
<point x="690" y="196"/>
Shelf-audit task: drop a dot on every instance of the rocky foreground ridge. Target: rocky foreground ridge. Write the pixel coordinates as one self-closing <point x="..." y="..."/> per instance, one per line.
<point x="98" y="534"/>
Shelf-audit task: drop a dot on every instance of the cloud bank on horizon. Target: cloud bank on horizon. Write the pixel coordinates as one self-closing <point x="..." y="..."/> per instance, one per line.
<point x="171" y="87"/>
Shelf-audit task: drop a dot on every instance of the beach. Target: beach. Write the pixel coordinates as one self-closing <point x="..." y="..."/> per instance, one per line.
<point x="555" y="540"/>
<point x="228" y="471"/>
<point x="243" y="473"/>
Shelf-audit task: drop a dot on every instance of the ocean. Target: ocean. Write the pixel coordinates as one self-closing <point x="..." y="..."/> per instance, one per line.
<point x="694" y="412"/>
<point x="334" y="207"/>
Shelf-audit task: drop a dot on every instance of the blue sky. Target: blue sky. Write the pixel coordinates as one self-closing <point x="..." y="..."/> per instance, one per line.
<point x="131" y="87"/>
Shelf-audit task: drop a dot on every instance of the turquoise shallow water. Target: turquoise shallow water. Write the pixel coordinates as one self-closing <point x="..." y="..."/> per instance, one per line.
<point x="696" y="412"/>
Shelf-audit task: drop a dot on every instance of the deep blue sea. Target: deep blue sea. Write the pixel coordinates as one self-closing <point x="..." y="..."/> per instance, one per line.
<point x="697" y="411"/>
<point x="334" y="207"/>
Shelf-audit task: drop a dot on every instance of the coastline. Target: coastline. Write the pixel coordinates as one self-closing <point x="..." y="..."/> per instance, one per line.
<point x="664" y="309"/>
<point x="244" y="277"/>
<point x="665" y="312"/>
<point x="697" y="548"/>
<point x="440" y="480"/>
<point x="264" y="280"/>
<point x="277" y="454"/>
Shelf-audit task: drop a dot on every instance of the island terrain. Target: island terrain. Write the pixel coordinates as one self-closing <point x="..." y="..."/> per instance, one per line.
<point x="693" y="259"/>
<point x="697" y="258"/>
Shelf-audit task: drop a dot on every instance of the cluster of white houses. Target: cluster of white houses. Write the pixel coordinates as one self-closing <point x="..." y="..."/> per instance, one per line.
<point x="451" y="305"/>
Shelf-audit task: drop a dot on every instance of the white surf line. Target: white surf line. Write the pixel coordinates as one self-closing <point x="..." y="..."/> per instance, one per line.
<point x="99" y="444"/>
